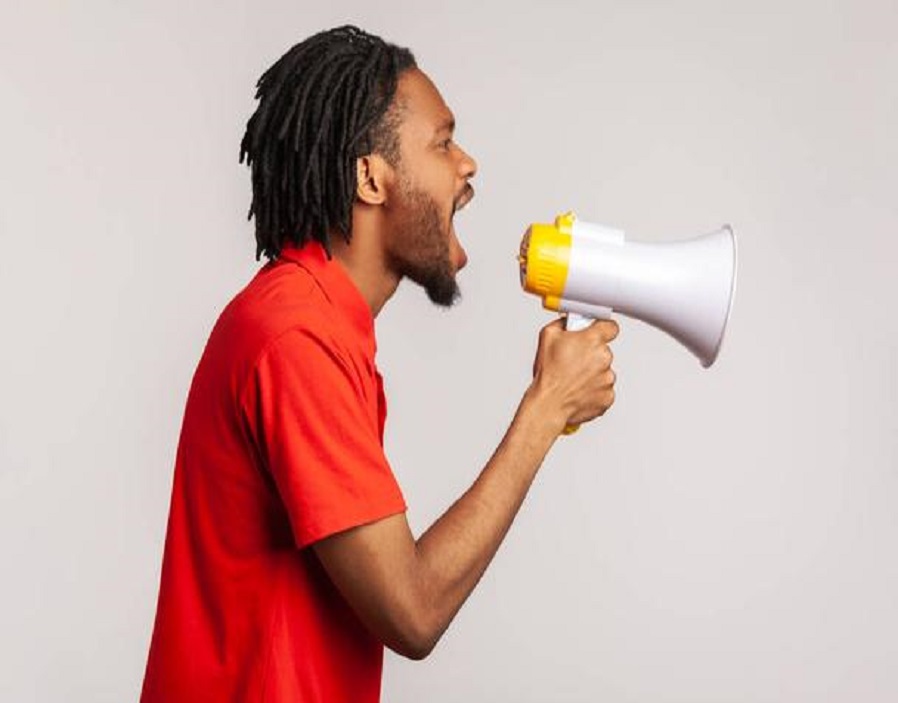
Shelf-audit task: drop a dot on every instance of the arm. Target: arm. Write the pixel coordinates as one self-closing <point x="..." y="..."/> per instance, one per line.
<point x="408" y="591"/>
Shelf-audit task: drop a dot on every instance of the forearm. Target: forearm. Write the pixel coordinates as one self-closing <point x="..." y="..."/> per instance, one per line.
<point x="407" y="591"/>
<point x="455" y="551"/>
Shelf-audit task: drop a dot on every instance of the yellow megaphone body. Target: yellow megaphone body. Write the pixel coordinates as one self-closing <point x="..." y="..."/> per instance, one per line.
<point x="589" y="271"/>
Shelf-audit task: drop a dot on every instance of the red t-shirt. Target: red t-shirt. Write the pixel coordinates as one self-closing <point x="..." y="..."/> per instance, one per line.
<point x="282" y="445"/>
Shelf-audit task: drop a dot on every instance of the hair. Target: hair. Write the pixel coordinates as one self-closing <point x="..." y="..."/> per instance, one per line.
<point x="322" y="105"/>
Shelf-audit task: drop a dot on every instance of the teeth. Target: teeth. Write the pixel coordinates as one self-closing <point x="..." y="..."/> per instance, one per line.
<point x="462" y="203"/>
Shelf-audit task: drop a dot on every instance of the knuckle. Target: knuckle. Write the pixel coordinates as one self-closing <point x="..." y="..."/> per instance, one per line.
<point x="609" y="329"/>
<point x="550" y="330"/>
<point x="613" y="328"/>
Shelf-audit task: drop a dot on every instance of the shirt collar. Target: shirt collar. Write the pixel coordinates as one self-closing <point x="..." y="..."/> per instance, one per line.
<point x="338" y="288"/>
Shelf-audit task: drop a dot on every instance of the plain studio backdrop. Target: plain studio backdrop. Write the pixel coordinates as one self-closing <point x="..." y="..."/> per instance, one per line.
<point x="721" y="535"/>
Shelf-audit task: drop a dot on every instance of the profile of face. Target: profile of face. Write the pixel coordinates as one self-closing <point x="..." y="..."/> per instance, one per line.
<point x="431" y="184"/>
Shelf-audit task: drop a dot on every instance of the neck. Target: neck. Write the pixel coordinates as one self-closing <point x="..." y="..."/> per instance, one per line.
<point x="365" y="261"/>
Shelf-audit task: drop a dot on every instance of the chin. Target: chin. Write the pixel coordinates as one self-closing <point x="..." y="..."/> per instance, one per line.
<point x="443" y="290"/>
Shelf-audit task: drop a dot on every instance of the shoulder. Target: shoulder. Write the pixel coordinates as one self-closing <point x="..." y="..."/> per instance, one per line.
<point x="283" y="304"/>
<point x="281" y="315"/>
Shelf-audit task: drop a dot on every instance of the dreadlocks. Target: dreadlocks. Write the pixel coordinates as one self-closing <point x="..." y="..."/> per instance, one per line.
<point x="323" y="104"/>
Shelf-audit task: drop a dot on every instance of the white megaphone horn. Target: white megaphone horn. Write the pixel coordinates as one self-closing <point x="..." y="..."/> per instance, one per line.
<point x="589" y="271"/>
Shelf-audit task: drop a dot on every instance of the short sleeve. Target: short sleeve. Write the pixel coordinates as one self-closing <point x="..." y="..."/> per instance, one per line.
<point x="314" y="421"/>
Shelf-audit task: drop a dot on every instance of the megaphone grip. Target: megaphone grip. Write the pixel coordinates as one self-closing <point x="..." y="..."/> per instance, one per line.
<point x="574" y="322"/>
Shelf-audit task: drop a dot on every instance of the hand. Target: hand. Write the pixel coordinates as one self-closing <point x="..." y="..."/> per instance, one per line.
<point x="572" y="372"/>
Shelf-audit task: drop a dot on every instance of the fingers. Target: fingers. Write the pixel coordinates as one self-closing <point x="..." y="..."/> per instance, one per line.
<point x="610" y="378"/>
<point x="600" y="333"/>
<point x="606" y="329"/>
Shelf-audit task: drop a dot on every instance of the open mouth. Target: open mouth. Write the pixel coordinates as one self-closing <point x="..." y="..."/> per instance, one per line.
<point x="466" y="197"/>
<point x="460" y="257"/>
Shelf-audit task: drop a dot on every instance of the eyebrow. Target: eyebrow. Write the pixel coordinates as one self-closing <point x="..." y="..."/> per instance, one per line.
<point x="448" y="125"/>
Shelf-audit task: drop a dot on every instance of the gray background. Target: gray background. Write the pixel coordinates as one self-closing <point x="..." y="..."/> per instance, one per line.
<point x="722" y="535"/>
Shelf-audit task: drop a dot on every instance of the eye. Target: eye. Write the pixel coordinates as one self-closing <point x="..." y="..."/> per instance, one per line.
<point x="446" y="143"/>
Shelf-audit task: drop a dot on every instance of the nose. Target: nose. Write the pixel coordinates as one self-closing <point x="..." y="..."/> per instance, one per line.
<point x="467" y="166"/>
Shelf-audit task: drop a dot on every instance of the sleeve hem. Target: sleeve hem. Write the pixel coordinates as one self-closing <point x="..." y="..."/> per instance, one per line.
<point x="346" y="522"/>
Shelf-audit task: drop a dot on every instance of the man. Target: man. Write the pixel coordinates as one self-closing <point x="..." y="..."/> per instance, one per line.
<point x="289" y="562"/>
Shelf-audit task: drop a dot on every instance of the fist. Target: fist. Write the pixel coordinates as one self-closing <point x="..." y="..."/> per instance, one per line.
<point x="573" y="373"/>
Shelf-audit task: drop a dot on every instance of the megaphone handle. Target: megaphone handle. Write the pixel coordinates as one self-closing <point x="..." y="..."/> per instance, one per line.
<point x="574" y="322"/>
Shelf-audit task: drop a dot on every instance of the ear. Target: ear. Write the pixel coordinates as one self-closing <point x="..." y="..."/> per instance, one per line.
<point x="372" y="176"/>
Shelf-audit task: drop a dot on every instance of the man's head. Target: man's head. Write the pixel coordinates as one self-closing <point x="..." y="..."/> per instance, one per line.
<point x="349" y="131"/>
<point x="321" y="105"/>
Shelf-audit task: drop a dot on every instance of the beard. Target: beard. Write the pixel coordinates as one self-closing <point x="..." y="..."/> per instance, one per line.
<point x="423" y="247"/>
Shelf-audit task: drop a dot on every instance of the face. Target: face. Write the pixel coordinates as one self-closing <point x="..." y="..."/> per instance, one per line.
<point x="431" y="184"/>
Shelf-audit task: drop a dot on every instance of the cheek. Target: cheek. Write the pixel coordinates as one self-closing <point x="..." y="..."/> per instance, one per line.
<point x="439" y="180"/>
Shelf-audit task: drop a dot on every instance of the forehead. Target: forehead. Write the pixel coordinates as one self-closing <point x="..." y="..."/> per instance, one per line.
<point x="424" y="111"/>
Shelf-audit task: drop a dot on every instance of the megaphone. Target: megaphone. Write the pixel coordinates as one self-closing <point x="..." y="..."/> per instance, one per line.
<point x="589" y="271"/>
